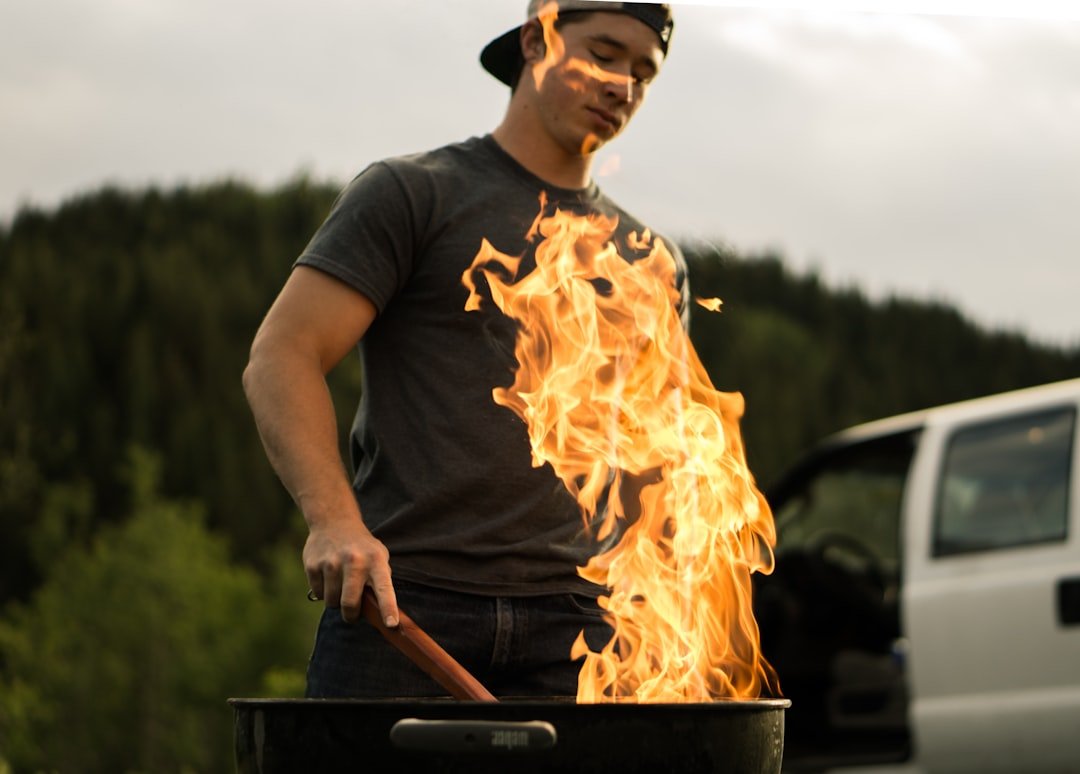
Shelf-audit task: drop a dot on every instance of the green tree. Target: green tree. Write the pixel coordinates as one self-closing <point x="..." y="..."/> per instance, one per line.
<point x="811" y="360"/>
<point x="126" y="317"/>
<point x="122" y="660"/>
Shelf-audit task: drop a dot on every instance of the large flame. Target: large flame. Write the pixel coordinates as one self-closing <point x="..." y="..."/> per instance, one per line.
<point x="618" y="403"/>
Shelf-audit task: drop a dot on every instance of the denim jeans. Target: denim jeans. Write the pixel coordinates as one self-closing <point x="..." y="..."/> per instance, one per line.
<point x="515" y="646"/>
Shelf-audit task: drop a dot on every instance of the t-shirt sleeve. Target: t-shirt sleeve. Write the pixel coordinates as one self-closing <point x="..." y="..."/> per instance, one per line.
<point x="368" y="240"/>
<point x="682" y="281"/>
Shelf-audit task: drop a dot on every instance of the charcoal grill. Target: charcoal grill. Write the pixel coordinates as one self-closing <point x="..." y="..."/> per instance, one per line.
<point x="517" y="736"/>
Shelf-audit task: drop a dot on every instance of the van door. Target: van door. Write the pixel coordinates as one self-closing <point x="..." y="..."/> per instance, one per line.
<point x="993" y="561"/>
<point x="829" y="613"/>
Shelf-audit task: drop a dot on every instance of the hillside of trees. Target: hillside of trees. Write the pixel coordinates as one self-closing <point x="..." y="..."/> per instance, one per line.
<point x="149" y="562"/>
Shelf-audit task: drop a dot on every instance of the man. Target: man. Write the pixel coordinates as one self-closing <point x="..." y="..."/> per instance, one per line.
<point x="484" y="547"/>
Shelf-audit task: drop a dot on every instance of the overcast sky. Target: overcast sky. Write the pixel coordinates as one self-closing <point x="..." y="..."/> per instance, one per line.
<point x="932" y="156"/>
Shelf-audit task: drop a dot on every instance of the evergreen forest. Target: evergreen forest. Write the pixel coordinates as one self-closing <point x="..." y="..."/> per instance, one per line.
<point x="149" y="557"/>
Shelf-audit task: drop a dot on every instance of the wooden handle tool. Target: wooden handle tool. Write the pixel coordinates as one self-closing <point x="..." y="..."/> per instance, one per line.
<point x="427" y="654"/>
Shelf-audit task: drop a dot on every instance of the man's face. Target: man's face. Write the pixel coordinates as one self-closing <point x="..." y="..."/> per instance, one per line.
<point x="591" y="92"/>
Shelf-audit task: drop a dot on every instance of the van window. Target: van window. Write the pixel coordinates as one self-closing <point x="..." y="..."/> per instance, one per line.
<point x="1005" y="483"/>
<point x="851" y="496"/>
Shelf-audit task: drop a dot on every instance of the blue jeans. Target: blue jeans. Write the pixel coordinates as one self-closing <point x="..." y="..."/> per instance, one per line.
<point x="515" y="646"/>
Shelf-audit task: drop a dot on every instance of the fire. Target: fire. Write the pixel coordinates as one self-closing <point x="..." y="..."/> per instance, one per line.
<point x="554" y="49"/>
<point x="618" y="403"/>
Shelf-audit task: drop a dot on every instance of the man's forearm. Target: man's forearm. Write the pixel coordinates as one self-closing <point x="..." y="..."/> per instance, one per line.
<point x="295" y="417"/>
<point x="313" y="323"/>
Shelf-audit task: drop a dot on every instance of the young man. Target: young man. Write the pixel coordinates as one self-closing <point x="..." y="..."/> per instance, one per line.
<point x="484" y="547"/>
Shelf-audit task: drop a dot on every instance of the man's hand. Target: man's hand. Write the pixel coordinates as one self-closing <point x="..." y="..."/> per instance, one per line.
<point x="340" y="558"/>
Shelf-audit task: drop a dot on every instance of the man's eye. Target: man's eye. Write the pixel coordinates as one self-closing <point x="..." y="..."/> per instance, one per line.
<point x="601" y="58"/>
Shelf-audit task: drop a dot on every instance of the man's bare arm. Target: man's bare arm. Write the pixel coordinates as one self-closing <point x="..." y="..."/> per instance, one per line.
<point x="315" y="321"/>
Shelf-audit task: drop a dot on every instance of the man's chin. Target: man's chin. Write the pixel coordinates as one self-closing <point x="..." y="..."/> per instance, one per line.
<point x="593" y="142"/>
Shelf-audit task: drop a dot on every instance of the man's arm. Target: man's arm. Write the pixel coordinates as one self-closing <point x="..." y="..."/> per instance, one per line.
<point x="315" y="321"/>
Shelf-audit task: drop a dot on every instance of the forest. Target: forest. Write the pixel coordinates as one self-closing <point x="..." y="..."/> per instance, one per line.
<point x="150" y="559"/>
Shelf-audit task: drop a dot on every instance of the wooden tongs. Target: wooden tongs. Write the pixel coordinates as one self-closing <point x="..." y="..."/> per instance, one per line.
<point x="427" y="654"/>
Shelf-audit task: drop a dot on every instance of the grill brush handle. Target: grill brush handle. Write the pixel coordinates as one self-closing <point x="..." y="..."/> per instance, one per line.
<point x="427" y="654"/>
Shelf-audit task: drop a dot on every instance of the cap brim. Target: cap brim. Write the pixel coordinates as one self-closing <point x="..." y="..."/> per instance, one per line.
<point x="502" y="56"/>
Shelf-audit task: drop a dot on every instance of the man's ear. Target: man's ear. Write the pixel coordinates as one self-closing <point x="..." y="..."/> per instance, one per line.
<point x="532" y="42"/>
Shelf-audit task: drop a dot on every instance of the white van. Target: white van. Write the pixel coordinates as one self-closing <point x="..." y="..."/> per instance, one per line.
<point x="924" y="614"/>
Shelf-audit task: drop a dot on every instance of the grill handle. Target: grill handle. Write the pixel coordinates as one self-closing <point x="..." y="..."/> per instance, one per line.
<point x="473" y="736"/>
<point x="427" y="654"/>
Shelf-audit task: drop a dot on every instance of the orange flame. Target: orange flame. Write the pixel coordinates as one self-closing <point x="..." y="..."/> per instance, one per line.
<point x="618" y="403"/>
<point x="554" y="48"/>
<point x="594" y="71"/>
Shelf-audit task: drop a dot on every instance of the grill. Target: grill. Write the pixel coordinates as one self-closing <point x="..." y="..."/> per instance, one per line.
<point x="443" y="735"/>
<point x="429" y="736"/>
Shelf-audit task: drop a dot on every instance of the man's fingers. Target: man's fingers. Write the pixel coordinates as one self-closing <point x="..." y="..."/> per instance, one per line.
<point x="351" y="588"/>
<point x="332" y="586"/>
<point x="340" y="563"/>
<point x="384" y="593"/>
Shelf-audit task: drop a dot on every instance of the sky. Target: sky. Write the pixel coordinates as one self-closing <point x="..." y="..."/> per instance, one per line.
<point x="926" y="150"/>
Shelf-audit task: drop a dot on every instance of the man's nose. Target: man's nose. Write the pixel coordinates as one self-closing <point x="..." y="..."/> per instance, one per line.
<point x="620" y="87"/>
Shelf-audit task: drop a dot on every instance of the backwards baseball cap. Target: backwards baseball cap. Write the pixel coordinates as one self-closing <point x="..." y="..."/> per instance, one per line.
<point x="502" y="56"/>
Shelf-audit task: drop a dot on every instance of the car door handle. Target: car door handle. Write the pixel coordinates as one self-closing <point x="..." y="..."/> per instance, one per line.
<point x="1068" y="599"/>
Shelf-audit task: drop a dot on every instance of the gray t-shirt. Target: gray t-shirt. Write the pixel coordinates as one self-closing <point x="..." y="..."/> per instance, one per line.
<point x="443" y="475"/>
